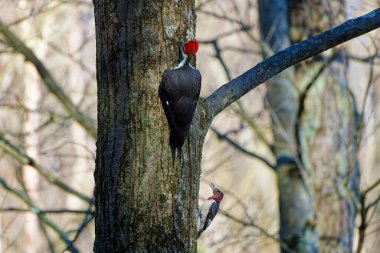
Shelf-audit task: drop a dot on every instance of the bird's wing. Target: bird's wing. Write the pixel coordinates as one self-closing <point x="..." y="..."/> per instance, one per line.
<point x="205" y="219"/>
<point x="203" y="212"/>
<point x="179" y="92"/>
<point x="211" y="214"/>
<point x="183" y="111"/>
<point x="167" y="100"/>
<point x="184" y="107"/>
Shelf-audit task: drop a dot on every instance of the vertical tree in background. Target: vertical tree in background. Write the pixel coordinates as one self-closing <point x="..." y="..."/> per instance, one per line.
<point x="328" y="126"/>
<point x="297" y="214"/>
<point x="315" y="131"/>
<point x="32" y="96"/>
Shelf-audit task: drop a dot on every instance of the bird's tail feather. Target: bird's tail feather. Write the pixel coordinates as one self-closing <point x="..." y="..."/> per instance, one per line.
<point x="176" y="143"/>
<point x="179" y="151"/>
<point x="199" y="233"/>
<point x="173" y="153"/>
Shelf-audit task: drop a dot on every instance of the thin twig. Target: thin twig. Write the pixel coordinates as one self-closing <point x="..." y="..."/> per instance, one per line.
<point x="373" y="186"/>
<point x="263" y="231"/>
<point x="241" y="149"/>
<point x="302" y="101"/>
<point x="86" y="220"/>
<point x="14" y="42"/>
<point x="242" y="113"/>
<point x="35" y="209"/>
<point x="48" y="211"/>
<point x="230" y="92"/>
<point x="20" y="155"/>
<point x="366" y="92"/>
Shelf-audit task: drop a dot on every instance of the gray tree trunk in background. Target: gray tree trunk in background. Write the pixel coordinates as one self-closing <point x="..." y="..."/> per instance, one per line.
<point x="297" y="214"/>
<point x="143" y="202"/>
<point x="315" y="130"/>
<point x="329" y="125"/>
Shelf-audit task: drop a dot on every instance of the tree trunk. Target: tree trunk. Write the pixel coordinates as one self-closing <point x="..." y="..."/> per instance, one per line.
<point x="138" y="189"/>
<point x="325" y="136"/>
<point x="33" y="236"/>
<point x="328" y="128"/>
<point x="32" y="97"/>
<point x="297" y="214"/>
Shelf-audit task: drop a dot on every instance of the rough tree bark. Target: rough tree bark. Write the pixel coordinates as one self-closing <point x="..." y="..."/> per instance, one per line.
<point x="143" y="202"/>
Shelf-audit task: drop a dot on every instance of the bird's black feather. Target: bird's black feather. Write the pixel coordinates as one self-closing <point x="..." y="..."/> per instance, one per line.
<point x="210" y="216"/>
<point x="179" y="92"/>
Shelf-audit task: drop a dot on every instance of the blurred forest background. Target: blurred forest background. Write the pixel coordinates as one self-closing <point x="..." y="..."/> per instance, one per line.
<point x="48" y="117"/>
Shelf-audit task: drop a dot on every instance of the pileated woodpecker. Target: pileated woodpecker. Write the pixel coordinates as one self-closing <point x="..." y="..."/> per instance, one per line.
<point x="209" y="209"/>
<point x="179" y="92"/>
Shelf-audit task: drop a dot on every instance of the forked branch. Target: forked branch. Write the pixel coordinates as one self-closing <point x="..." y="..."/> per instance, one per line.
<point x="290" y="56"/>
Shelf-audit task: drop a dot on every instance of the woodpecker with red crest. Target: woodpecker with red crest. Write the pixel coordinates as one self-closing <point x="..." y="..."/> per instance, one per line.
<point x="209" y="209"/>
<point x="179" y="93"/>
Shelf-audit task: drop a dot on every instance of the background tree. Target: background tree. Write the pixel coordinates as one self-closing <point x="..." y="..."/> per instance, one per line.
<point x="317" y="112"/>
<point x="342" y="240"/>
<point x="297" y="214"/>
<point x="45" y="153"/>
<point x="328" y="135"/>
<point x="276" y="29"/>
<point x="64" y="161"/>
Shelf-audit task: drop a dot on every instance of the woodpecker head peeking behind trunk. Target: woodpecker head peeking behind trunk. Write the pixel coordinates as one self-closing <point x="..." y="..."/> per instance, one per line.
<point x="179" y="93"/>
<point x="209" y="209"/>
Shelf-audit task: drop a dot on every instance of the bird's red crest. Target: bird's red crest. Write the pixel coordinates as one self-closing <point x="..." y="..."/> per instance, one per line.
<point x="191" y="47"/>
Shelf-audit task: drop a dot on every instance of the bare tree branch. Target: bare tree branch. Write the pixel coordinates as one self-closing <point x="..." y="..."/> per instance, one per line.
<point x="86" y="220"/>
<point x="241" y="149"/>
<point x="252" y="124"/>
<point x="361" y="124"/>
<point x="263" y="231"/>
<point x="243" y="28"/>
<point x="14" y="42"/>
<point x="373" y="186"/>
<point x="221" y="17"/>
<point x="364" y="214"/>
<point x="290" y="56"/>
<point x="35" y="209"/>
<point x="24" y="159"/>
<point x="302" y="101"/>
<point x="49" y="211"/>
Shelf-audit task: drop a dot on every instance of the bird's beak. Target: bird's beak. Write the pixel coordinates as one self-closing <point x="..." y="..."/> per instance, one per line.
<point x="212" y="186"/>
